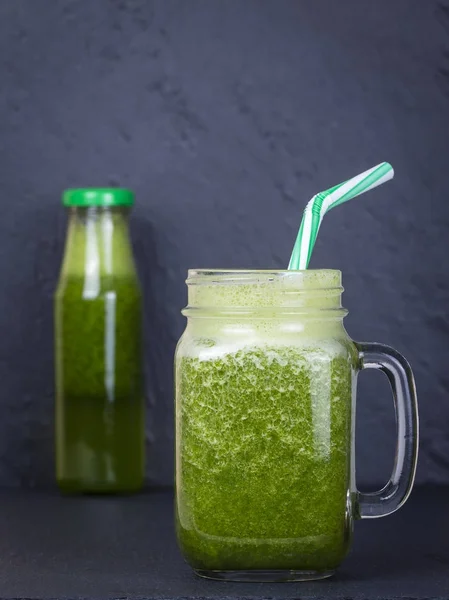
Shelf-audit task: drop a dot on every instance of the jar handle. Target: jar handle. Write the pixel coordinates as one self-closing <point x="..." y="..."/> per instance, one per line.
<point x="399" y="373"/>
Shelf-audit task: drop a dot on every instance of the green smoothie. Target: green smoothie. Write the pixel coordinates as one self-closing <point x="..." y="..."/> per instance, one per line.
<point x="264" y="430"/>
<point x="99" y="395"/>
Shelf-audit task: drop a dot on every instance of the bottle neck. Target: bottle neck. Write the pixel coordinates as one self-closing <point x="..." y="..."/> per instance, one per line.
<point x="98" y="246"/>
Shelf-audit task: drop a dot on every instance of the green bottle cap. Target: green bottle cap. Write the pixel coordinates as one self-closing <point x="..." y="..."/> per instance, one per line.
<point x="98" y="197"/>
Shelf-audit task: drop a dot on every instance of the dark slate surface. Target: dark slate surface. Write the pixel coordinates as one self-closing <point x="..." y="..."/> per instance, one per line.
<point x="226" y="117"/>
<point x="52" y="547"/>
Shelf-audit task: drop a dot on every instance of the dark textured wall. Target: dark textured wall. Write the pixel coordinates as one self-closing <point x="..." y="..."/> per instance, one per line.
<point x="225" y="117"/>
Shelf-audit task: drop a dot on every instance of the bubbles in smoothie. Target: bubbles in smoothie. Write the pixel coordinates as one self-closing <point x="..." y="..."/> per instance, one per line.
<point x="265" y="446"/>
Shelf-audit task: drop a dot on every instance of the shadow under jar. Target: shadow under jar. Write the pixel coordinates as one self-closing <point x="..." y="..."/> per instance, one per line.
<point x="265" y="406"/>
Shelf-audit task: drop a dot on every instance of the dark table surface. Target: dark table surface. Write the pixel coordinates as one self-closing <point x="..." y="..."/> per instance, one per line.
<point x="54" y="547"/>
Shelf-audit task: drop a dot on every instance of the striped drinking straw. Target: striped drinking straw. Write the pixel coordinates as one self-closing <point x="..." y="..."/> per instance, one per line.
<point x="318" y="206"/>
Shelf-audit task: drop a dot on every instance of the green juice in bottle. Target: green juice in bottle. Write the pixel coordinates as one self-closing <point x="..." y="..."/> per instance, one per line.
<point x="99" y="383"/>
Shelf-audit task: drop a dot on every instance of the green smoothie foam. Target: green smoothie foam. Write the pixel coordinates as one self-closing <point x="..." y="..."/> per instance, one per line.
<point x="265" y="426"/>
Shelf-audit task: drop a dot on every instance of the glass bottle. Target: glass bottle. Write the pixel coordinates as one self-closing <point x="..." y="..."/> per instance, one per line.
<point x="98" y="353"/>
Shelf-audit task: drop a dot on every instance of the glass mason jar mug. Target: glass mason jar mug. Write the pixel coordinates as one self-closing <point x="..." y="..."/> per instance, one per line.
<point x="265" y="390"/>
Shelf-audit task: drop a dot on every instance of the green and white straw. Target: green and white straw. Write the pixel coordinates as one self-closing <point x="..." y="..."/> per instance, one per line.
<point x="318" y="206"/>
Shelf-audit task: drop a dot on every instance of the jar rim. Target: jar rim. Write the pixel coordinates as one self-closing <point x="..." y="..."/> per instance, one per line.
<point x="261" y="291"/>
<point x="318" y="279"/>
